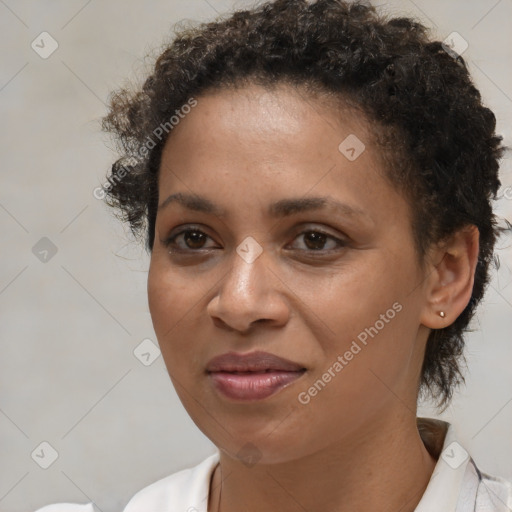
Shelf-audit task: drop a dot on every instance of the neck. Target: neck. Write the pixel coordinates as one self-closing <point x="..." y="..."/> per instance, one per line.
<point x="386" y="468"/>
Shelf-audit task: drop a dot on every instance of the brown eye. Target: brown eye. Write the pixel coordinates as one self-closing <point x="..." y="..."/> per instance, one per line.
<point x="315" y="241"/>
<point x="193" y="239"/>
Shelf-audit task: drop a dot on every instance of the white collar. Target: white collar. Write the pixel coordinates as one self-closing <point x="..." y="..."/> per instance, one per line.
<point x="453" y="486"/>
<point x="454" y="466"/>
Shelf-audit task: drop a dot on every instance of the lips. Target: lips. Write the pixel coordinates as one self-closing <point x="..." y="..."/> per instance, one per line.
<point x="253" y="376"/>
<point x="253" y="362"/>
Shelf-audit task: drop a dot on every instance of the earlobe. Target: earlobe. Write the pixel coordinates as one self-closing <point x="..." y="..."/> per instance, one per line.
<point x="449" y="284"/>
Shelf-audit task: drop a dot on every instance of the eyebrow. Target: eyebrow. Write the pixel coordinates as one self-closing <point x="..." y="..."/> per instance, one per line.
<point x="281" y="208"/>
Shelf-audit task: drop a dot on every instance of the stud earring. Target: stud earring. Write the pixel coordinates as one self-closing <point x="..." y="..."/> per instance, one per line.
<point x="442" y="314"/>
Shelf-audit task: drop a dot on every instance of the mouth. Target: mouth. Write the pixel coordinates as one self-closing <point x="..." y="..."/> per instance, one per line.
<point x="253" y="376"/>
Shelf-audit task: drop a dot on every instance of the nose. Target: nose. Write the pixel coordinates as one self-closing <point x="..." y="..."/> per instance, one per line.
<point x="249" y="293"/>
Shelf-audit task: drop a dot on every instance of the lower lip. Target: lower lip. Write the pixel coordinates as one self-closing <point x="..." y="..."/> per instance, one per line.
<point x="252" y="385"/>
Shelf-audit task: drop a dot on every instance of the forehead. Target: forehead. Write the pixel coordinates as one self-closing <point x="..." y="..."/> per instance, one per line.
<point x="254" y="144"/>
<point x="267" y="126"/>
<point x="280" y="108"/>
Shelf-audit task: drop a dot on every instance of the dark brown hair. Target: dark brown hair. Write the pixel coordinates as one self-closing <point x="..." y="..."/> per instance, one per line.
<point x="418" y="94"/>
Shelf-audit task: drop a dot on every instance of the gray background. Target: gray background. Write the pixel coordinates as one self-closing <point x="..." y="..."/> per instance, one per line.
<point x="69" y="325"/>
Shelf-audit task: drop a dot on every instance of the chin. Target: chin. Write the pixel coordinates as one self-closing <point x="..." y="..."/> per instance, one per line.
<point x="257" y="441"/>
<point x="264" y="451"/>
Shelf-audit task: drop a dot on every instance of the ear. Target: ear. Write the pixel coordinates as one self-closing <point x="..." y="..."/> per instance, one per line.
<point x="451" y="274"/>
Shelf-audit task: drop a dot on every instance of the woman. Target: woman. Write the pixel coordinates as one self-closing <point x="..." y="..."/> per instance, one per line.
<point x="313" y="182"/>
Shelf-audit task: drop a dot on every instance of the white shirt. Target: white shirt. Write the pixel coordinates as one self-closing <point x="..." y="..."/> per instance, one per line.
<point x="456" y="485"/>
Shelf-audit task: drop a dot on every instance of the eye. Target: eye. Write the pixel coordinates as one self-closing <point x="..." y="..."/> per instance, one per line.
<point x="193" y="239"/>
<point x="315" y="241"/>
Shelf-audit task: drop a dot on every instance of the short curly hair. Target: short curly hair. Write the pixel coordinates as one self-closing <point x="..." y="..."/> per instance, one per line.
<point x="425" y="111"/>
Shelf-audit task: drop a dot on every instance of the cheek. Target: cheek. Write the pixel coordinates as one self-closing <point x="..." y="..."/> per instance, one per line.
<point x="176" y="300"/>
<point x="160" y="297"/>
<point x="371" y="314"/>
<point x="171" y="293"/>
<point x="169" y="303"/>
<point x="352" y="297"/>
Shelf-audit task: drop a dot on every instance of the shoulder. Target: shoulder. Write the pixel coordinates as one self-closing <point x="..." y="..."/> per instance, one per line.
<point x="457" y="484"/>
<point x="185" y="490"/>
<point x="68" y="507"/>
<point x="494" y="493"/>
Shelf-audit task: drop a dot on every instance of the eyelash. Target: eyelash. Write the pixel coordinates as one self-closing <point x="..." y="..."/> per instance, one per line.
<point x="171" y="240"/>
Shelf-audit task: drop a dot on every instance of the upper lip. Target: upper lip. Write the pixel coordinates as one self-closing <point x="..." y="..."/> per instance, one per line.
<point x="252" y="362"/>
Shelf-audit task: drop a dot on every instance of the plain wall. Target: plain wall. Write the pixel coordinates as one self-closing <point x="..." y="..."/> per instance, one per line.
<point x="69" y="325"/>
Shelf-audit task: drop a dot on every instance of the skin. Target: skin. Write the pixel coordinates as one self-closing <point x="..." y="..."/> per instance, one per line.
<point x="355" y="445"/>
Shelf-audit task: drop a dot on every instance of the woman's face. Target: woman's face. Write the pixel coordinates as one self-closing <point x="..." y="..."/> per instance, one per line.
<point x="255" y="265"/>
